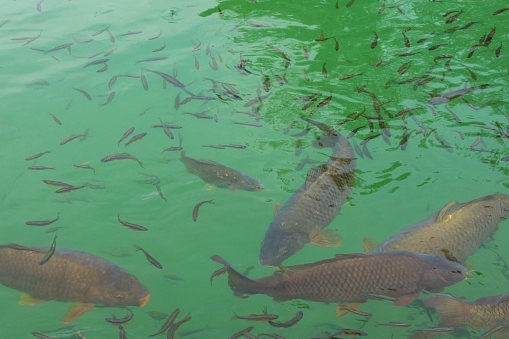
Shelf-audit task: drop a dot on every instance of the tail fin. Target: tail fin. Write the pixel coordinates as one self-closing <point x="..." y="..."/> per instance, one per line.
<point x="451" y="310"/>
<point x="239" y="283"/>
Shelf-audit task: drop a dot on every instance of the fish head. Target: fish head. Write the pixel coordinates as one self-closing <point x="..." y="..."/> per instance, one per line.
<point x="279" y="246"/>
<point x="121" y="289"/>
<point x="249" y="184"/>
<point x="442" y="272"/>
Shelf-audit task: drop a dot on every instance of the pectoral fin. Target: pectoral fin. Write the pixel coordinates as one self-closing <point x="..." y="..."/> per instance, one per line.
<point x="343" y="309"/>
<point x="369" y="244"/>
<point x="435" y="290"/>
<point x="327" y="238"/>
<point x="28" y="299"/>
<point x="407" y="299"/>
<point x="75" y="311"/>
<point x="209" y="187"/>
<point x="277" y="207"/>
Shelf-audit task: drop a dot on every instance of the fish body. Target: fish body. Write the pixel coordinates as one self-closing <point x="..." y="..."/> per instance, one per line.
<point x="120" y="156"/>
<point x="458" y="229"/>
<point x="150" y="258"/>
<point x="43" y="223"/>
<point x="449" y="96"/>
<point x="486" y="312"/>
<point x="352" y="277"/>
<point x="71" y="275"/>
<point x="219" y="175"/>
<point x="312" y="207"/>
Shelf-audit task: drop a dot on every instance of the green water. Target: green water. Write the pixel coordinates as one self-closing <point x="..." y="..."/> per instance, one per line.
<point x="394" y="189"/>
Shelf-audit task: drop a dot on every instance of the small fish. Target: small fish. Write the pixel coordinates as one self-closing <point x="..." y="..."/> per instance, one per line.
<point x="354" y="311"/>
<point x="235" y="146"/>
<point x="214" y="146"/>
<point x="37" y="156"/>
<point x="136" y="138"/>
<point x="56" y="119"/>
<point x="152" y="59"/>
<point x="167" y="323"/>
<point x="442" y="330"/>
<point x="126" y="134"/>
<point x="67" y="189"/>
<point x="149" y="257"/>
<point x="324" y="70"/>
<point x="167" y="131"/>
<point x="289" y="323"/>
<point x="375" y="41"/>
<point x="380" y="11"/>
<point x="394" y="324"/>
<point x="53" y="229"/>
<point x="497" y="51"/>
<point x="50" y="252"/>
<point x="365" y="141"/>
<point x="160" y="192"/>
<point x="110" y="98"/>
<point x="252" y="124"/>
<point x="132" y="226"/>
<point x="350" y="76"/>
<point x="72" y="137"/>
<point x="173" y="328"/>
<point x="348" y="331"/>
<point x="38" y="168"/>
<point x="407" y="110"/>
<point x="85" y="166"/>
<point x="406" y="54"/>
<point x="196" y="208"/>
<point x="404" y="68"/>
<point x="37" y="334"/>
<point x="55" y="183"/>
<point x="120" y="321"/>
<point x="436" y="46"/>
<point x="200" y="115"/>
<point x="256" y="24"/>
<point x="42" y="223"/>
<point x="501" y="11"/>
<point x="256" y="317"/>
<point x="407" y="42"/>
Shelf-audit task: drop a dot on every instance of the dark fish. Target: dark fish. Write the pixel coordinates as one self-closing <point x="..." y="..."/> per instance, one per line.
<point x="235" y="146"/>
<point x="152" y="59"/>
<point x="120" y="321"/>
<point x="312" y="208"/>
<point x="252" y="124"/>
<point x="37" y="334"/>
<point x="132" y="226"/>
<point x="72" y="137"/>
<point x="497" y="51"/>
<point x="136" y="138"/>
<point x="346" y="77"/>
<point x="404" y="68"/>
<point x="67" y="189"/>
<point x="348" y="277"/>
<point x="42" y="223"/>
<point x="349" y="331"/>
<point x="196" y="209"/>
<point x="173" y="328"/>
<point x="96" y="62"/>
<point x="394" y="324"/>
<point x="55" y="183"/>
<point x="256" y="24"/>
<point x="220" y="176"/>
<point x="214" y="146"/>
<point x="436" y="46"/>
<point x="167" y="323"/>
<point x="375" y="41"/>
<point x="50" y="252"/>
<point x="53" y="229"/>
<point x="167" y="131"/>
<point x="289" y="323"/>
<point x="37" y="156"/>
<point x="354" y="132"/>
<point x="160" y="192"/>
<point x="112" y="95"/>
<point x="306" y="54"/>
<point x="354" y="311"/>
<point x="501" y="11"/>
<point x="85" y="166"/>
<point x="324" y="70"/>
<point x="407" y="42"/>
<point x="40" y="168"/>
<point x="256" y="317"/>
<point x="126" y="134"/>
<point x="56" y="119"/>
<point x="459" y="228"/>
<point x="243" y="333"/>
<point x="406" y="54"/>
<point x="468" y="25"/>
<point x="371" y="137"/>
<point x="200" y="115"/>
<point x="138" y="248"/>
<point x="449" y="96"/>
<point x="325" y="102"/>
<point x="168" y="78"/>
<point x="71" y="275"/>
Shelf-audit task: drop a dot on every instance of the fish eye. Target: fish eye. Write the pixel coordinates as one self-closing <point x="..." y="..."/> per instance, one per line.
<point x="119" y="297"/>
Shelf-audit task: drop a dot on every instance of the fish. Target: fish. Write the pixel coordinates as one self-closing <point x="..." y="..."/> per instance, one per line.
<point x="37" y="156"/>
<point x="120" y="156"/>
<point x="167" y="323"/>
<point x="110" y="98"/>
<point x="136" y="138"/>
<point x="292" y="322"/>
<point x="458" y="229"/>
<point x="406" y="54"/>
<point x="349" y="76"/>
<point x="394" y="324"/>
<point x="126" y="134"/>
<point x="152" y="59"/>
<point x="404" y="68"/>
<point x="42" y="223"/>
<point x="349" y="331"/>
<point x="199" y="115"/>
<point x="449" y="96"/>
<point x="167" y="131"/>
<point x="311" y="208"/>
<point x="354" y="311"/>
<point x="375" y="41"/>
<point x="149" y="257"/>
<point x="219" y="175"/>
<point x="196" y="208"/>
<point x="173" y="277"/>
<point x="60" y="123"/>
<point x="71" y="275"/>
<point x="55" y="183"/>
<point x="500" y="11"/>
<point x="132" y="226"/>
<point x="40" y="168"/>
<point x="85" y="94"/>
<point x="85" y="166"/>
<point x="348" y="277"/>
<point x="256" y="317"/>
<point x="252" y="124"/>
<point x="47" y="256"/>
<point x="67" y="189"/>
<point x="243" y="333"/>
<point x="72" y="137"/>
<point x="173" y="328"/>
<point x="485" y="312"/>
<point x="324" y="70"/>
<point x="37" y="334"/>
<point x="119" y="321"/>
<point x="160" y="192"/>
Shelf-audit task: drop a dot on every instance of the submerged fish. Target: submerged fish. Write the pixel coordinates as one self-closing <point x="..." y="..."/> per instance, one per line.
<point x="349" y="277"/>
<point x="71" y="275"/>
<point x="486" y="312"/>
<point x="120" y="156"/>
<point x="312" y="208"/>
<point x="220" y="176"/>
<point x="458" y="229"/>
<point x="449" y="96"/>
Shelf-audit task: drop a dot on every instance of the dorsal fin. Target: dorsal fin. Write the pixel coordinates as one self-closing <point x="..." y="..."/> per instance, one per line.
<point x="313" y="174"/>
<point x="446" y="212"/>
<point x="277" y="207"/>
<point x="502" y="298"/>
<point x="209" y="162"/>
<point x="338" y="257"/>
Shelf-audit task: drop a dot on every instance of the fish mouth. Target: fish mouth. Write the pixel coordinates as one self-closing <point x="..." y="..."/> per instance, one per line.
<point x="266" y="265"/>
<point x="143" y="301"/>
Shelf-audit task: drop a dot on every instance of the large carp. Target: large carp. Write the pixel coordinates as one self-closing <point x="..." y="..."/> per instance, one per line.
<point x="312" y="208"/>
<point x="353" y="278"/>
<point x="70" y="275"/>
<point x="457" y="230"/>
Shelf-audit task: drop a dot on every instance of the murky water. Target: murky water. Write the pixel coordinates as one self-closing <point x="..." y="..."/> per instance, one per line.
<point x="395" y="188"/>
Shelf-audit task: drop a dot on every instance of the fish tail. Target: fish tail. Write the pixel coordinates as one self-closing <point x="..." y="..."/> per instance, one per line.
<point x="138" y="248"/>
<point x="239" y="283"/>
<point x="451" y="310"/>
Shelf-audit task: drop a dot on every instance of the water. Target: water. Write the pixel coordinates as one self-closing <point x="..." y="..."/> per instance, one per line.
<point x="393" y="190"/>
